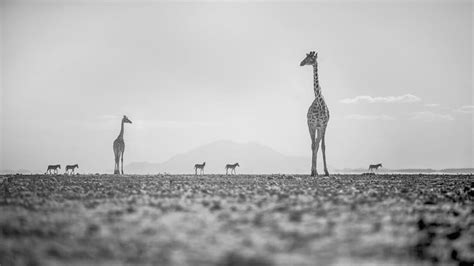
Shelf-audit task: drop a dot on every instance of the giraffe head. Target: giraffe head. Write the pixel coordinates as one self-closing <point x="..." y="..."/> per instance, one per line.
<point x="237" y="164"/>
<point x="126" y="120"/>
<point x="310" y="59"/>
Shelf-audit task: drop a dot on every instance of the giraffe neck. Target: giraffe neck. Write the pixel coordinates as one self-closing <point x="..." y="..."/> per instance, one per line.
<point x="121" y="132"/>
<point x="317" y="89"/>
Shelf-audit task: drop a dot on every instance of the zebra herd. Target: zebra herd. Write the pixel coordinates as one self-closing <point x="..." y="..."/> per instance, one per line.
<point x="227" y="167"/>
<point x="53" y="169"/>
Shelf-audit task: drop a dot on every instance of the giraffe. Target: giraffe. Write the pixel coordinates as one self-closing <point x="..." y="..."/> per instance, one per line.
<point x="119" y="147"/>
<point x="53" y="168"/>
<point x="231" y="167"/>
<point x="318" y="116"/>
<point x="199" y="166"/>
<point x="71" y="167"/>
<point x="374" y="167"/>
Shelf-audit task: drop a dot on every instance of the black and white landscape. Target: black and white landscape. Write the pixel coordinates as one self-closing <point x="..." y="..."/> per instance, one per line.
<point x="232" y="133"/>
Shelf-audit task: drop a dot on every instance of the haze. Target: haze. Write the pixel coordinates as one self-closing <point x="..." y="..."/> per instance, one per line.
<point x="397" y="78"/>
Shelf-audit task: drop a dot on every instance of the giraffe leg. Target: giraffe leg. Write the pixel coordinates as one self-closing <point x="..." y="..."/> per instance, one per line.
<point x="316" y="149"/>
<point x="121" y="164"/>
<point x="312" y="133"/>
<point x="116" y="169"/>
<point x="323" y="149"/>
<point x="117" y="161"/>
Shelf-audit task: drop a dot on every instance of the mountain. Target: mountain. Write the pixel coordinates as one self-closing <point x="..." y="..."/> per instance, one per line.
<point x="253" y="158"/>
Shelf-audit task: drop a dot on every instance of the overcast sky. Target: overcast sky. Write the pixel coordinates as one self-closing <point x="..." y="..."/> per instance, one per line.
<point x="397" y="78"/>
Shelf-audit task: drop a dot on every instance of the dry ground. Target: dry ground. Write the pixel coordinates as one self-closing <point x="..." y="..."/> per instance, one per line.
<point x="238" y="220"/>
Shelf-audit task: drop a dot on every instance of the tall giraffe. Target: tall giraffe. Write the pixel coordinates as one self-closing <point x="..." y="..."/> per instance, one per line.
<point x="318" y="116"/>
<point x="119" y="147"/>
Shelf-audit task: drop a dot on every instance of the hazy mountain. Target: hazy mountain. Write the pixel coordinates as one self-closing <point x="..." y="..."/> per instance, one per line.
<point x="253" y="158"/>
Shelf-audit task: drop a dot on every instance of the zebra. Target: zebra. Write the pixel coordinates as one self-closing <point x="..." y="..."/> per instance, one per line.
<point x="71" y="167"/>
<point x="53" y="168"/>
<point x="374" y="167"/>
<point x="200" y="167"/>
<point x="231" y="167"/>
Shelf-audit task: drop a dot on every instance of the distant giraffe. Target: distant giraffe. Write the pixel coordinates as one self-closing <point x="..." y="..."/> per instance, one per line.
<point x="200" y="167"/>
<point x="374" y="167"/>
<point x="53" y="169"/>
<point x="71" y="167"/>
<point x="231" y="167"/>
<point x="119" y="148"/>
<point x="318" y="116"/>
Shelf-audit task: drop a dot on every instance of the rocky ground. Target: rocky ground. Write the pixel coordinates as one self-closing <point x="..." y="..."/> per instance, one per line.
<point x="237" y="220"/>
